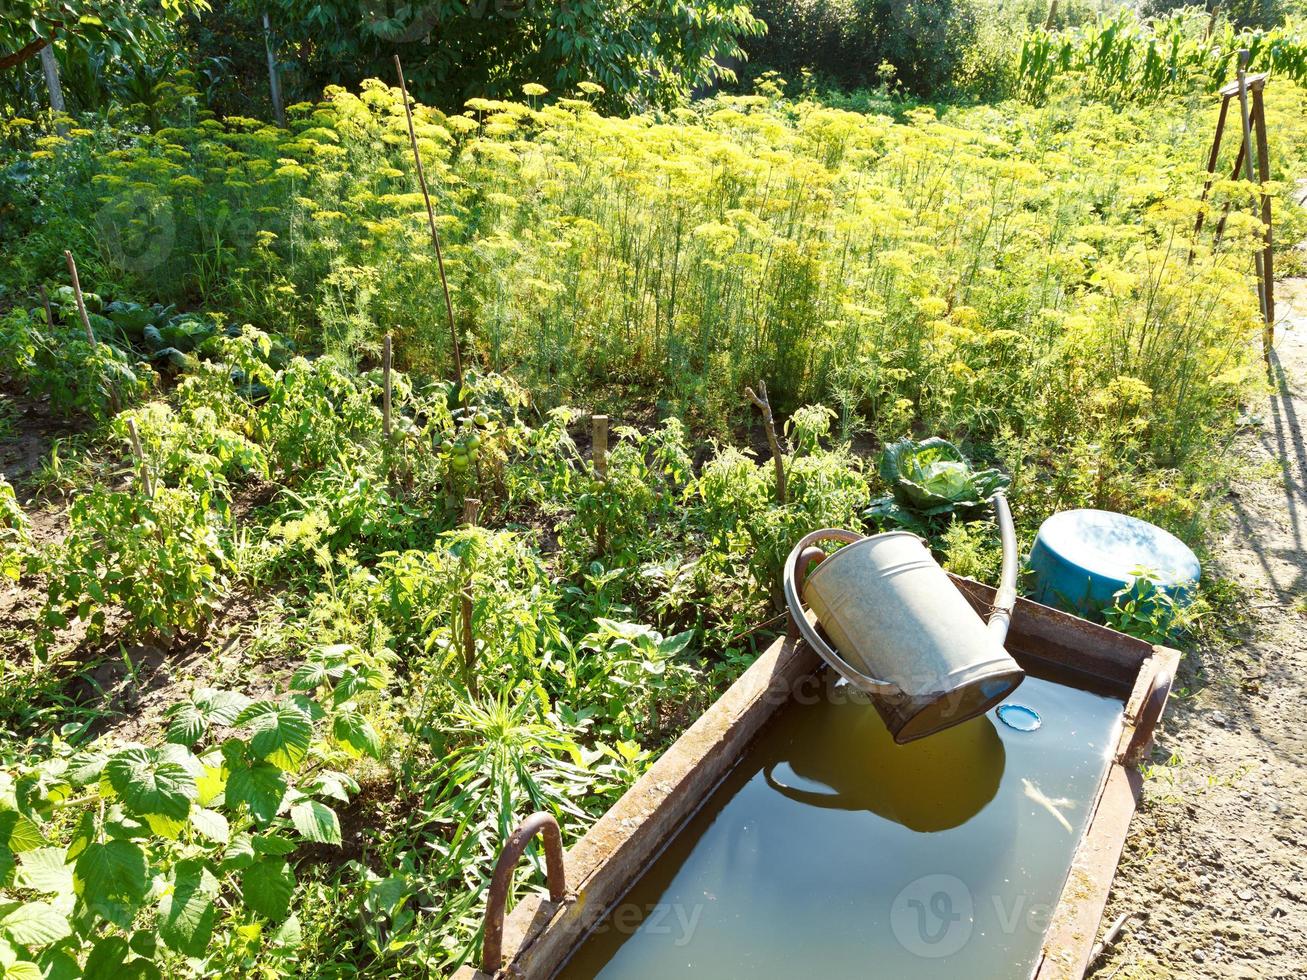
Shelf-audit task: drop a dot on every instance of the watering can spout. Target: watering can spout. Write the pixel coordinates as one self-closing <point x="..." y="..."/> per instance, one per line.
<point x="900" y="630"/>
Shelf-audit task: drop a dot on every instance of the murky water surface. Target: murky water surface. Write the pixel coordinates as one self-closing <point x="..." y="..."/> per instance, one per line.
<point x="830" y="851"/>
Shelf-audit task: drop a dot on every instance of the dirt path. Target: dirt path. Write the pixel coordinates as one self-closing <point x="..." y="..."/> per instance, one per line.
<point x="1217" y="854"/>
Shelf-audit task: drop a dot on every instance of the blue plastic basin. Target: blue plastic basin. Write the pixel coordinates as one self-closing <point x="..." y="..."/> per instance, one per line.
<point x="1081" y="558"/>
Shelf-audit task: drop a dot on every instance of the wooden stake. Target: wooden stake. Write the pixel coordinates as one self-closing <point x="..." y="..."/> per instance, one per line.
<point x="77" y="292"/>
<point x="1248" y="170"/>
<point x="599" y="447"/>
<point x="769" y="427"/>
<point x="385" y="387"/>
<point x="45" y="301"/>
<point x="599" y="438"/>
<point x="1052" y="16"/>
<point x="274" y="78"/>
<point x="1212" y="157"/>
<point x="1268" y="253"/>
<point x="1225" y="208"/>
<point x="146" y="486"/>
<point x="470" y="507"/>
<point x="431" y="224"/>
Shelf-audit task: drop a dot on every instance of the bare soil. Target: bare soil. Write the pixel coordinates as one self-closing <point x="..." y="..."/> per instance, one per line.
<point x="1217" y="854"/>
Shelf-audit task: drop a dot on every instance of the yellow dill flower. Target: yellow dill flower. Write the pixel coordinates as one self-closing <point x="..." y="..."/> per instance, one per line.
<point x="186" y="182"/>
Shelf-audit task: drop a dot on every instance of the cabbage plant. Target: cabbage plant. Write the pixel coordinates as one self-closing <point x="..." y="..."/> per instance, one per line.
<point x="931" y="478"/>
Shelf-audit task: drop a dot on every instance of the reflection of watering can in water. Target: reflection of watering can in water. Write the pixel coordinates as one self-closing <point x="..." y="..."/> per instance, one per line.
<point x="904" y="633"/>
<point x="844" y="760"/>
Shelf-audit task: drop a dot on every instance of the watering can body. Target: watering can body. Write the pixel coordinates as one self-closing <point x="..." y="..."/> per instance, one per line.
<point x="898" y="620"/>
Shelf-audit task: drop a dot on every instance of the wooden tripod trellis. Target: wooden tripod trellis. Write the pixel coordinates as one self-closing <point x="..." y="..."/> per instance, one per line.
<point x="1252" y="111"/>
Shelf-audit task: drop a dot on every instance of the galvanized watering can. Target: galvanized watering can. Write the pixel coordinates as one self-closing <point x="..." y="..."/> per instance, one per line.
<point x="900" y="629"/>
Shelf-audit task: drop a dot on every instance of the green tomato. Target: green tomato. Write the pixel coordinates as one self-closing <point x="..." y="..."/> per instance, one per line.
<point x="481" y="418"/>
<point x="473" y="442"/>
<point x="459" y="463"/>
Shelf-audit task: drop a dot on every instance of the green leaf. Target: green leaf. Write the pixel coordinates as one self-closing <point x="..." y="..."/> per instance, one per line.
<point x="260" y="787"/>
<point x="106" y="959"/>
<point x="187" y="912"/>
<point x="288" y="935"/>
<point x="35" y="924"/>
<point x="273" y="844"/>
<point x="267" y="886"/>
<point x="211" y="824"/>
<point x="186" y="724"/>
<point x="56" y="964"/>
<point x="21" y="970"/>
<point x="46" y="870"/>
<point x="281" y="734"/>
<point x="316" y="821"/>
<point x="144" y="942"/>
<point x="85" y="768"/>
<point x="337" y="785"/>
<point x="148" y="784"/>
<point x="115" y="869"/>
<point x="309" y="677"/>
<point x="18" y="833"/>
<point x="357" y="734"/>
<point x="672" y="645"/>
<point x="190" y="720"/>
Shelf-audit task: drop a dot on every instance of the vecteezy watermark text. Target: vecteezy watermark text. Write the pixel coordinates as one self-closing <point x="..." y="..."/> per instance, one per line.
<point x="673" y="919"/>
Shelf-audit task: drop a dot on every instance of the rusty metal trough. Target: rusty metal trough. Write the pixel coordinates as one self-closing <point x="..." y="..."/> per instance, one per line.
<point x="540" y="934"/>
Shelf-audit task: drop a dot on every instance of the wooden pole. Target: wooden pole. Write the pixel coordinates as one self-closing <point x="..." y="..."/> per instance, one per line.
<point x="470" y="508"/>
<point x="385" y="387"/>
<point x="1248" y="170"/>
<point x="45" y="301"/>
<point x="1212" y="157"/>
<point x="599" y="446"/>
<point x="1268" y="253"/>
<point x="769" y="427"/>
<point x="77" y="292"/>
<point x="274" y="77"/>
<point x="1225" y="208"/>
<point x="146" y="485"/>
<point x="599" y="437"/>
<point x="1052" y="16"/>
<point x="431" y="224"/>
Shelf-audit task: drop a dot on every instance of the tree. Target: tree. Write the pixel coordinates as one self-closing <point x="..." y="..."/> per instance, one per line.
<point x="643" y="52"/>
<point x="102" y="31"/>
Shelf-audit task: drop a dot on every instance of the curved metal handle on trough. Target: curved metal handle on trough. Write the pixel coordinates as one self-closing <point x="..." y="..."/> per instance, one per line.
<point x="1149" y="715"/>
<point x="792" y="581"/>
<point x="497" y="899"/>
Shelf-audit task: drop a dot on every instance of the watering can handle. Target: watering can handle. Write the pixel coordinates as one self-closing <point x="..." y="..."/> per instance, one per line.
<point x="792" y="581"/>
